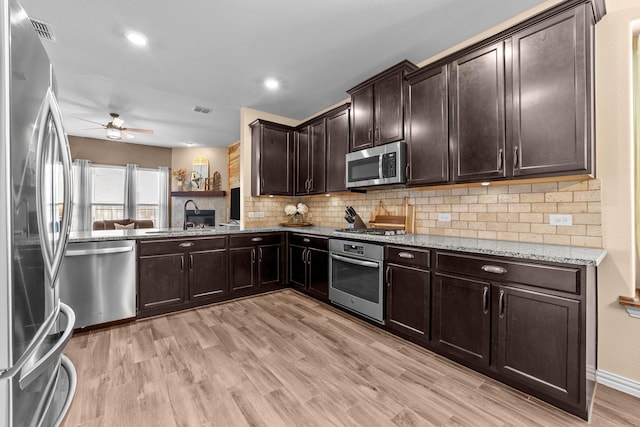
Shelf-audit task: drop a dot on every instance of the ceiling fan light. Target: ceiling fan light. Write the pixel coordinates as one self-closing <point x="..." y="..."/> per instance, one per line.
<point x="113" y="133"/>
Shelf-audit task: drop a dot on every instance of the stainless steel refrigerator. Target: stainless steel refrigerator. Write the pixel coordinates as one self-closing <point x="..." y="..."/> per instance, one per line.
<point x="37" y="382"/>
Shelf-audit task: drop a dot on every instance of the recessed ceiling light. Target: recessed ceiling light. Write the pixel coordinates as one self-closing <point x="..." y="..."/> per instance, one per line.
<point x="272" y="84"/>
<point x="136" y="38"/>
<point x="189" y="144"/>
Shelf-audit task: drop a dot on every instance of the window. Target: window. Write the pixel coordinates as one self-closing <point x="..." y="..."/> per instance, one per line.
<point x="107" y="201"/>
<point x="148" y="194"/>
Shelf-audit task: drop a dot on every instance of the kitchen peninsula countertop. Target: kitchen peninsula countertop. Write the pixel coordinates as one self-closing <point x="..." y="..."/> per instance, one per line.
<point x="531" y="251"/>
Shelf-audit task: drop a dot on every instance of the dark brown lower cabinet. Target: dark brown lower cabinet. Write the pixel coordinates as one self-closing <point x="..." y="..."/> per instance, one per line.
<point x="309" y="264"/>
<point x="538" y="340"/>
<point x="178" y="273"/>
<point x="255" y="261"/>
<point x="408" y="292"/>
<point x="462" y="318"/>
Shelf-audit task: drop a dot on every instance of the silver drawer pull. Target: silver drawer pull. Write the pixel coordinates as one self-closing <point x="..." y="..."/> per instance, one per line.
<point x="406" y="255"/>
<point x="257" y="239"/>
<point x="186" y="244"/>
<point x="306" y="240"/>
<point x="494" y="269"/>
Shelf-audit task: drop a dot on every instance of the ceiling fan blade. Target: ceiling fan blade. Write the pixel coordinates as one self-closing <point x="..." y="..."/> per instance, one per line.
<point x="92" y="128"/>
<point x="117" y="122"/>
<point x="91" y="121"/>
<point x="127" y="134"/>
<point x="138" y="130"/>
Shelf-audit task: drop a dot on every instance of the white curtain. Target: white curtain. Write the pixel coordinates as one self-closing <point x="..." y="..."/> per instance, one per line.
<point x="81" y="220"/>
<point x="130" y="191"/>
<point x="163" y="197"/>
<point x="636" y="115"/>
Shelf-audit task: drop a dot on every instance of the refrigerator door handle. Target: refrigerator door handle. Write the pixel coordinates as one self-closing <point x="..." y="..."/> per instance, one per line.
<point x="27" y="377"/>
<point x="53" y="255"/>
<point x="73" y="381"/>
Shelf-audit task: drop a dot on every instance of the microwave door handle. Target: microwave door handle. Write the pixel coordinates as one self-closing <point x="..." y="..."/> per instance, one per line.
<point x="361" y="263"/>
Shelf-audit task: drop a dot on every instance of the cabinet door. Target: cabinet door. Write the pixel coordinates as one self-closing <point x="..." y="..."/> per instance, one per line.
<point x="362" y="126"/>
<point x="428" y="128"/>
<point x="272" y="160"/>
<point x="241" y="269"/>
<point x="269" y="268"/>
<point x="461" y="321"/>
<point x="161" y="281"/>
<point x="317" y="157"/>
<point x="318" y="272"/>
<point x="207" y="274"/>
<point x="408" y="301"/>
<point x="389" y="109"/>
<point x="550" y="96"/>
<point x="302" y="161"/>
<point x="477" y="115"/>
<point x="297" y="266"/>
<point x="337" y="149"/>
<point x="539" y="341"/>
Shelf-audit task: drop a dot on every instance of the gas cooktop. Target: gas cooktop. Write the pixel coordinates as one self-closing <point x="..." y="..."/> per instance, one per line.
<point x="372" y="231"/>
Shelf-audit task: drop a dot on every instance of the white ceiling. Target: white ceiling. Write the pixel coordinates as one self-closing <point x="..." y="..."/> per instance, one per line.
<point x="216" y="54"/>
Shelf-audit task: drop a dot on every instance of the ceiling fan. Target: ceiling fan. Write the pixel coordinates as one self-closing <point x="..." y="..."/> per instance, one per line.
<point x="114" y="128"/>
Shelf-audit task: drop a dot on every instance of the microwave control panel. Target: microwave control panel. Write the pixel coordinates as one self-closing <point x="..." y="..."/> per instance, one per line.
<point x="389" y="165"/>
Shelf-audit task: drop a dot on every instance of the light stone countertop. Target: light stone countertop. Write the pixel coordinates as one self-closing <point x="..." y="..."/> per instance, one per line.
<point x="531" y="251"/>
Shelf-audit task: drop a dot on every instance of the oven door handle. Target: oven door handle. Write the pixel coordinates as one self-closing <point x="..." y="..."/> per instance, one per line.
<point x="370" y="264"/>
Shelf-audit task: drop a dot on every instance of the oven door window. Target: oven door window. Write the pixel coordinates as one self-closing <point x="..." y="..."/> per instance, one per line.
<point x="357" y="278"/>
<point x="364" y="169"/>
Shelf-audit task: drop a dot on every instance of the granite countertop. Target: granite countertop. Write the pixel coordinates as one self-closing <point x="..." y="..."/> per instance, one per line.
<point x="530" y="251"/>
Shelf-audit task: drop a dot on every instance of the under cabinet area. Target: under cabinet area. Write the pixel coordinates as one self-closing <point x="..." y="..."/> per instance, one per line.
<point x="408" y="294"/>
<point x="180" y="273"/>
<point x="309" y="264"/>
<point x="255" y="261"/>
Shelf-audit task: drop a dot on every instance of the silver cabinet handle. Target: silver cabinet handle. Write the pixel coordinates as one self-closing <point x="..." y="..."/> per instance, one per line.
<point x="306" y="240"/>
<point x="182" y="263"/>
<point x="253" y="256"/>
<point x="34" y="371"/>
<point x="387" y="275"/>
<point x="257" y="239"/>
<point x="355" y="261"/>
<point x="485" y="299"/>
<point x="494" y="269"/>
<point x="500" y="159"/>
<point x="101" y="251"/>
<point x="260" y="254"/>
<point x="190" y="262"/>
<point x="186" y="244"/>
<point x="501" y="304"/>
<point x="309" y="256"/>
<point x="304" y="255"/>
<point x="406" y="255"/>
<point x="516" y="160"/>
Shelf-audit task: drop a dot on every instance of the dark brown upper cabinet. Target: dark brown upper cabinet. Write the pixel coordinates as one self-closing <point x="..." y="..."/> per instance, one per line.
<point x="477" y="115"/>
<point x="427" y="127"/>
<point x="337" y="148"/>
<point x="378" y="108"/>
<point x="551" y="91"/>
<point x="272" y="159"/>
<point x="310" y="158"/>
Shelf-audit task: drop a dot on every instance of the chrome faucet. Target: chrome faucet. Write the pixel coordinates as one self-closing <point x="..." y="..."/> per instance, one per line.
<point x="184" y="212"/>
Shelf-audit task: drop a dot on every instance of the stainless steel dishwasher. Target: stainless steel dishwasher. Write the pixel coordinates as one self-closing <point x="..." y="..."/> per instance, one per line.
<point x="98" y="280"/>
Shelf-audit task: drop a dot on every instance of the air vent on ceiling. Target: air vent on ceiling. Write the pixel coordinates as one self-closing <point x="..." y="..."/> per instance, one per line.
<point x="44" y="30"/>
<point x="203" y="110"/>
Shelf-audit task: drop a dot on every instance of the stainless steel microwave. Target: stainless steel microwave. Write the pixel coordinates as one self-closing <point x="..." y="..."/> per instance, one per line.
<point x="381" y="165"/>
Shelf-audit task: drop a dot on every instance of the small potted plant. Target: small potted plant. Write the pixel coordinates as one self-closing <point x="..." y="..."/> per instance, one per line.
<point x="296" y="213"/>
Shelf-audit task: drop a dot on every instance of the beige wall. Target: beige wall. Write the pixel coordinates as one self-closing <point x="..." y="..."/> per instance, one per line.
<point x="618" y="343"/>
<point x="218" y="162"/>
<point x="104" y="152"/>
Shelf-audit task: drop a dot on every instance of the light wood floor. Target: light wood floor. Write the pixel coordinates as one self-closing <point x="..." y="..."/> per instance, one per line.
<point x="284" y="359"/>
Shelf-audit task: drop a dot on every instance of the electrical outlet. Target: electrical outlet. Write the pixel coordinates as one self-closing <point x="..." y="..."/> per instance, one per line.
<point x="444" y="217"/>
<point x="561" y="220"/>
<point x="256" y="215"/>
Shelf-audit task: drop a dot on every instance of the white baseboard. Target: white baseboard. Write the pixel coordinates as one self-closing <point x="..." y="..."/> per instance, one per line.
<point x="619" y="383"/>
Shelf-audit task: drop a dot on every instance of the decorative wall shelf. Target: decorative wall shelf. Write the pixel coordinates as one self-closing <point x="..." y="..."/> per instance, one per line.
<point x="198" y="193"/>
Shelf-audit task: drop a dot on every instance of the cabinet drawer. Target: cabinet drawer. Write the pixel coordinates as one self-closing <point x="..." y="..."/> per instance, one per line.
<point x="408" y="256"/>
<point x="311" y="241"/>
<point x="170" y="246"/>
<point x="559" y="278"/>
<point x="254" y="239"/>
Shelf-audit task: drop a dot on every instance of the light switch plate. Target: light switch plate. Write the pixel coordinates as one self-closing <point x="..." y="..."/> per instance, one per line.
<point x="444" y="217"/>
<point x="561" y="220"/>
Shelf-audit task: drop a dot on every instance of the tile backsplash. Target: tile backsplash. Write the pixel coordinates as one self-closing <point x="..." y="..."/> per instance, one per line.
<point x="515" y="212"/>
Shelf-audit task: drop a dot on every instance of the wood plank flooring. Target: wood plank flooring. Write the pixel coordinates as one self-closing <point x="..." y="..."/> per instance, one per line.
<point x="284" y="359"/>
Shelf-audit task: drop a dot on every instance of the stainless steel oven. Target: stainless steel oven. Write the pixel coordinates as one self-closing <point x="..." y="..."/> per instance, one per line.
<point x="356" y="281"/>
